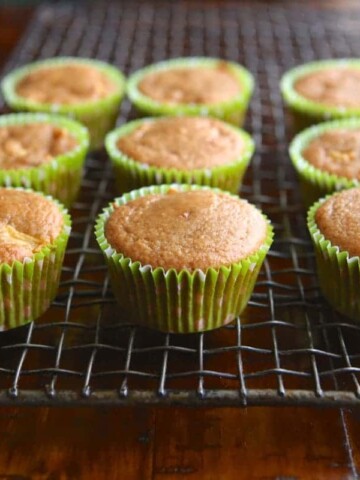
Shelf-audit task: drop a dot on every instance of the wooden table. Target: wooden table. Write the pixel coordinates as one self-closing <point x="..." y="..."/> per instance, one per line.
<point x="154" y="443"/>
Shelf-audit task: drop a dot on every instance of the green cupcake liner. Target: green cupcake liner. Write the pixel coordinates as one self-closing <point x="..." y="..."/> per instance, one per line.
<point x="307" y="112"/>
<point x="179" y="301"/>
<point x="130" y="174"/>
<point x="27" y="288"/>
<point x="61" y="177"/>
<point x="232" y="111"/>
<point x="316" y="183"/>
<point x="338" y="272"/>
<point x="99" y="116"/>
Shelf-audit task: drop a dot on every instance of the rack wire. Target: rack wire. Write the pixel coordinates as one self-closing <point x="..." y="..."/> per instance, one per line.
<point x="289" y="347"/>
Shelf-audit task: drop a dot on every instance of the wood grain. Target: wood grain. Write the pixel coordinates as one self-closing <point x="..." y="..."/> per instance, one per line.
<point x="143" y="444"/>
<point x="76" y="443"/>
<point x="352" y="427"/>
<point x="254" y="444"/>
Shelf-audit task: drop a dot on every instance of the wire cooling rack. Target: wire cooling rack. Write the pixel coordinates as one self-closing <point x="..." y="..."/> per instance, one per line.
<point x="289" y="347"/>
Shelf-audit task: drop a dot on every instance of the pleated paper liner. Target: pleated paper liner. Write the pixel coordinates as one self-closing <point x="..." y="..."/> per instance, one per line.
<point x="316" y="183"/>
<point x="338" y="272"/>
<point x="131" y="174"/>
<point x="306" y="112"/>
<point x="231" y="111"/>
<point x="99" y="116"/>
<point x="27" y="288"/>
<point x="179" y="301"/>
<point x="61" y="177"/>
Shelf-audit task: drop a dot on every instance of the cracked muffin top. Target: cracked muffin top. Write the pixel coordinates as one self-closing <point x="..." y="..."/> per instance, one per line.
<point x="31" y="145"/>
<point x="28" y="222"/>
<point x="336" y="151"/>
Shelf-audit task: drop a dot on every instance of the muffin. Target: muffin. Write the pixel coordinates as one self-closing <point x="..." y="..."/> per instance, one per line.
<point x="183" y="258"/>
<point x="49" y="86"/>
<point x="200" y="150"/>
<point x="43" y="152"/>
<point x="193" y="86"/>
<point x="34" y="230"/>
<point x="334" y="225"/>
<point x="327" y="158"/>
<point x="323" y="90"/>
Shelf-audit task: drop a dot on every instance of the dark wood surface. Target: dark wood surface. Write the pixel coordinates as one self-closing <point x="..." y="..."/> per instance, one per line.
<point x="232" y="444"/>
<point x="165" y="444"/>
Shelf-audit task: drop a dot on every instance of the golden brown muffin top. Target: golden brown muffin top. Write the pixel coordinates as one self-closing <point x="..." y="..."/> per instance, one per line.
<point x="65" y="84"/>
<point x="191" y="85"/>
<point x="28" y="221"/>
<point x="336" y="151"/>
<point x="186" y="230"/>
<point x="332" y="86"/>
<point x="183" y="143"/>
<point x="31" y="145"/>
<point x="338" y="219"/>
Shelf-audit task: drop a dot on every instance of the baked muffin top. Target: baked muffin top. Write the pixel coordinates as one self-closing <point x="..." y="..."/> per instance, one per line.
<point x="28" y="221"/>
<point x="332" y="86"/>
<point x="336" y="151"/>
<point x="191" y="85"/>
<point x="186" y="230"/>
<point x="338" y="219"/>
<point x="65" y="84"/>
<point x="31" y="145"/>
<point x="183" y="143"/>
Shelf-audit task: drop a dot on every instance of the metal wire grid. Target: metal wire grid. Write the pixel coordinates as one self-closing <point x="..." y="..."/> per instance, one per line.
<point x="289" y="347"/>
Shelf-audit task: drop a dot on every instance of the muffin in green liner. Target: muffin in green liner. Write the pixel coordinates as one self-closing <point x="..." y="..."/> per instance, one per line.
<point x="232" y="110"/>
<point x="181" y="300"/>
<point x="97" y="114"/>
<point x="234" y="153"/>
<point x="29" y="282"/>
<point x="317" y="182"/>
<point x="333" y="103"/>
<point x="61" y="176"/>
<point x="338" y="263"/>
